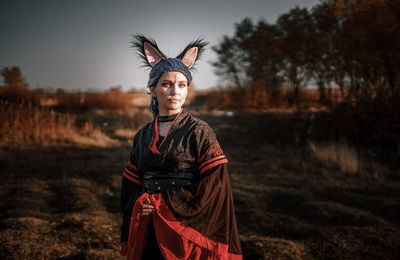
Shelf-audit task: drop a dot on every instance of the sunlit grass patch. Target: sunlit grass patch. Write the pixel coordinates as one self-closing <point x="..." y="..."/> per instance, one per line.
<point x="124" y="133"/>
<point x="27" y="124"/>
<point x="338" y="154"/>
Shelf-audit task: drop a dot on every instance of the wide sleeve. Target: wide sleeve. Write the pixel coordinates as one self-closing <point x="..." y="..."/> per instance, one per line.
<point x="207" y="206"/>
<point x="131" y="187"/>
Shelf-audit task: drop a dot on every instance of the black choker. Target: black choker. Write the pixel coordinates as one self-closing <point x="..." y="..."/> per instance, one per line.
<point x="166" y="118"/>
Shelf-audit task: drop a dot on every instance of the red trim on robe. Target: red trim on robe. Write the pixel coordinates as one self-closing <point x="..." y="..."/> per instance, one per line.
<point x="132" y="179"/>
<point x="153" y="146"/>
<point x="124" y="248"/>
<point x="176" y="240"/>
<point x="214" y="151"/>
<point x="137" y="230"/>
<point x="132" y="166"/>
<point x="213" y="165"/>
<point x="211" y="160"/>
<point x="131" y="173"/>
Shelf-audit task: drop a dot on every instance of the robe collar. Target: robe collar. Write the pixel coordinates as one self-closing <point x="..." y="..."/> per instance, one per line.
<point x="174" y="125"/>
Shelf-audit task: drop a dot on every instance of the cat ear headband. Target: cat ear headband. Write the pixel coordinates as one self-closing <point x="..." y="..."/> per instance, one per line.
<point x="152" y="57"/>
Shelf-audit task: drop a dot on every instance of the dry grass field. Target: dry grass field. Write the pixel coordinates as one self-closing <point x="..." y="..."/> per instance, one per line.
<point x="295" y="202"/>
<point x="295" y="198"/>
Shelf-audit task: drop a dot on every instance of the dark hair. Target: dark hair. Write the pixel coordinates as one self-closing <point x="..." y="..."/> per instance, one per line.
<point x="154" y="106"/>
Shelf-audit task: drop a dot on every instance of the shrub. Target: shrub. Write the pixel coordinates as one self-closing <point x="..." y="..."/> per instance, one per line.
<point x="254" y="98"/>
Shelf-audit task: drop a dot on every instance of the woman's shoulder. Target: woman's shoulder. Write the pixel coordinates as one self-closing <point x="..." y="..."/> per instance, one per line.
<point x="206" y="141"/>
<point x="145" y="127"/>
<point x="200" y="130"/>
<point x="141" y="132"/>
<point x="200" y="126"/>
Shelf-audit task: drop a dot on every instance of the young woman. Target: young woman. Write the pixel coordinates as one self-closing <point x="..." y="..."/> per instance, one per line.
<point x="176" y="196"/>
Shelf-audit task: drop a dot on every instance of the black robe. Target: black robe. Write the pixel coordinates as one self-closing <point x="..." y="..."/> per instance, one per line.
<point x="191" y="222"/>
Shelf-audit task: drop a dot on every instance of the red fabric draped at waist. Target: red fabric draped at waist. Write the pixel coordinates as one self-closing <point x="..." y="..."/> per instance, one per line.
<point x="176" y="240"/>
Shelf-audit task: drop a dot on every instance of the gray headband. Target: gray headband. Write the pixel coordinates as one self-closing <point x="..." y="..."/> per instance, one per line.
<point x="165" y="65"/>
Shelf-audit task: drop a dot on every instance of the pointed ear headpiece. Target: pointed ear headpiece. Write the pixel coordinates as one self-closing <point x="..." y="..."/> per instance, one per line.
<point x="159" y="63"/>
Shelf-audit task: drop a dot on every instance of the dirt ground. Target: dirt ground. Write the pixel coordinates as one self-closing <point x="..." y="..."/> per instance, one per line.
<point x="62" y="202"/>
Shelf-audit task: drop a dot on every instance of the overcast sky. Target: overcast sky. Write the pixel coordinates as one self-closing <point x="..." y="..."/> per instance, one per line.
<point x="85" y="45"/>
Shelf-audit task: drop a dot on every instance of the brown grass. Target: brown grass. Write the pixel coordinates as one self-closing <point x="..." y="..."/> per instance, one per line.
<point x="295" y="198"/>
<point x="340" y="155"/>
<point x="292" y="206"/>
<point x="27" y="124"/>
<point x="63" y="202"/>
<point x="113" y="99"/>
<point x="19" y="94"/>
<point x="64" y="205"/>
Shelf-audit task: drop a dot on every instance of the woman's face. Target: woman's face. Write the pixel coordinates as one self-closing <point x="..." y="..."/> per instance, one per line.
<point x="171" y="91"/>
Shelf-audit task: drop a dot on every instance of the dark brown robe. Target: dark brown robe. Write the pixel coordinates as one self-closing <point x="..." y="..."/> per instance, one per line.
<point x="191" y="222"/>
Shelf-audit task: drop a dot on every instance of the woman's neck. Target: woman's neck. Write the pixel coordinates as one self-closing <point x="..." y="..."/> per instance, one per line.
<point x="163" y="128"/>
<point x="163" y="112"/>
<point x="166" y="118"/>
<point x="164" y="123"/>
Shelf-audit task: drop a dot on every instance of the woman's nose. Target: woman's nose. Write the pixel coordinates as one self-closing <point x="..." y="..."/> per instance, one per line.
<point x="174" y="88"/>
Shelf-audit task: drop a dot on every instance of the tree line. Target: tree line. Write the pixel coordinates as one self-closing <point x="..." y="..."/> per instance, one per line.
<point x="352" y="46"/>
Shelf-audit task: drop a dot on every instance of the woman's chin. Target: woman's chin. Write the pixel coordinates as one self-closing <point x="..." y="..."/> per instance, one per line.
<point x="172" y="110"/>
<point x="175" y="106"/>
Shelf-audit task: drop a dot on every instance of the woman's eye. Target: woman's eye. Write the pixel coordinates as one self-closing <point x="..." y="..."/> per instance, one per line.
<point x="182" y="85"/>
<point x="166" y="84"/>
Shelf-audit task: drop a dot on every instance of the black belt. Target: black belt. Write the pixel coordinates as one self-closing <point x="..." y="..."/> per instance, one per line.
<point x="162" y="185"/>
<point x="168" y="175"/>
